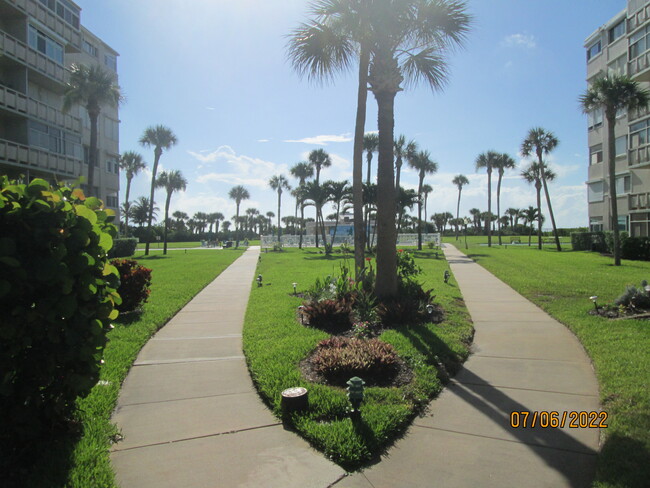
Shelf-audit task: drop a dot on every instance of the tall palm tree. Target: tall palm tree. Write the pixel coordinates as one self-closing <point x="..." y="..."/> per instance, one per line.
<point x="370" y="145"/>
<point x="181" y="218"/>
<point x="269" y="216"/>
<point x="422" y="163"/>
<point x="327" y="45"/>
<point x="426" y="189"/>
<point x="405" y="199"/>
<point x="513" y="215"/>
<point x="130" y="162"/>
<point x="161" y="138"/>
<point x="488" y="160"/>
<point x="460" y="181"/>
<point x="318" y="196"/>
<point x="503" y="162"/>
<point x="542" y="142"/>
<point x="92" y="87"/>
<point x="319" y="159"/>
<point x="171" y="181"/>
<point x="218" y="217"/>
<point x="476" y="216"/>
<point x="408" y="41"/>
<point x="279" y="183"/>
<point x="251" y="219"/>
<point x="533" y="174"/>
<point x="238" y="194"/>
<point x="611" y="94"/>
<point x="302" y="171"/>
<point x="200" y="220"/>
<point x="403" y="150"/>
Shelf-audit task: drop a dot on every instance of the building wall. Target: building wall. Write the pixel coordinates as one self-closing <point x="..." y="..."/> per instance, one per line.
<point x="614" y="48"/>
<point x="39" y="40"/>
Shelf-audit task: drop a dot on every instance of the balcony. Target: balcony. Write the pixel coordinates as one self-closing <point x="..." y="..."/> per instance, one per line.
<point x="18" y="155"/>
<point x="21" y="52"/>
<point x="19" y="103"/>
<point x="639" y="68"/>
<point x="639" y="201"/>
<point x="37" y="10"/>
<point x="638" y="19"/>
<point x="638" y="113"/>
<point x="638" y="158"/>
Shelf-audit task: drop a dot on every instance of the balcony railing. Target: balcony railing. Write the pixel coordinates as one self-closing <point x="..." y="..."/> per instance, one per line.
<point x="639" y="65"/>
<point x="35" y="9"/>
<point x="20" y="51"/>
<point x="638" y="113"/>
<point x="638" y="19"/>
<point x="639" y="156"/>
<point x="31" y="157"/>
<point x="20" y="103"/>
<point x="639" y="201"/>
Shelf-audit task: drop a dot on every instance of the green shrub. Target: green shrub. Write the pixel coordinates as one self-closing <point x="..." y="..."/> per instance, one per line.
<point x="330" y="315"/>
<point x="406" y="267"/>
<point x="588" y="241"/>
<point x="57" y="296"/>
<point x="634" y="297"/>
<point x="123" y="248"/>
<point x="338" y="359"/>
<point x="135" y="281"/>
<point x="636" y="248"/>
<point x="609" y="240"/>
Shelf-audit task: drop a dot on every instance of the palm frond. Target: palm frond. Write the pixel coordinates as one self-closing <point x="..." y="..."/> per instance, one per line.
<point x="428" y="65"/>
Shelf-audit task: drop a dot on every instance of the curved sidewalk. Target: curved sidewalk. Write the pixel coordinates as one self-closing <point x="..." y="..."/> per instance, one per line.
<point x="523" y="360"/>
<point x="188" y="410"/>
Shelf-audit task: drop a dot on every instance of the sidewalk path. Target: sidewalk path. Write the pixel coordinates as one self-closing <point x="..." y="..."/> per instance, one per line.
<point x="523" y="360"/>
<point x="189" y="413"/>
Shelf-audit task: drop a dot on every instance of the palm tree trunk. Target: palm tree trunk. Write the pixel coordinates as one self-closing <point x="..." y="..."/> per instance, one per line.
<point x="279" y="227"/>
<point x="127" y="207"/>
<point x="386" y="281"/>
<point x="93" y="115"/>
<point x="460" y="188"/>
<point x="157" y="152"/>
<point x="538" y="186"/>
<point x="398" y="170"/>
<point x="530" y="233"/>
<point x="302" y="223"/>
<point x="489" y="215"/>
<point x="357" y="168"/>
<point x="499" y="205"/>
<point x="550" y="212"/>
<point x="420" y="211"/>
<point x="237" y="228"/>
<point x="167" y="202"/>
<point x="611" y="162"/>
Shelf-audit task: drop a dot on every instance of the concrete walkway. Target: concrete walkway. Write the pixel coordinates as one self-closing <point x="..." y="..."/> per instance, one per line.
<point x="523" y="360"/>
<point x="188" y="410"/>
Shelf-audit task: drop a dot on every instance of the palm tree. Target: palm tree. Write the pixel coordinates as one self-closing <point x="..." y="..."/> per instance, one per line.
<point x="91" y="87"/>
<point x="238" y="194"/>
<point x="542" y="142"/>
<point x="611" y="94"/>
<point x="302" y="171"/>
<point x="426" y="189"/>
<point x="530" y="215"/>
<point x="140" y="211"/>
<point x="132" y="163"/>
<point x="200" y="221"/>
<point x="488" y="160"/>
<point x="403" y="150"/>
<point x="171" y="181"/>
<point x="405" y="199"/>
<point x="218" y="217"/>
<point x="370" y="144"/>
<point x="319" y="159"/>
<point x="251" y="219"/>
<point x="503" y="162"/>
<point x="318" y="196"/>
<point x="279" y="183"/>
<point x="338" y="192"/>
<point x="160" y="137"/>
<point x="476" y="216"/>
<point x="269" y="216"/>
<point x="460" y="181"/>
<point x="533" y="174"/>
<point x="513" y="215"/>
<point x="325" y="46"/>
<point x="421" y="161"/>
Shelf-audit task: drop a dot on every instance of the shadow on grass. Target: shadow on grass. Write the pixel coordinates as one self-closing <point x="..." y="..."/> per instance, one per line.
<point x="627" y="462"/>
<point x="152" y="257"/>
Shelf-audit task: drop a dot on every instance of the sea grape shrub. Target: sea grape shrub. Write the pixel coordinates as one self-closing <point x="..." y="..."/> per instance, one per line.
<point x="135" y="281"/>
<point x="337" y="359"/>
<point x="57" y="296"/>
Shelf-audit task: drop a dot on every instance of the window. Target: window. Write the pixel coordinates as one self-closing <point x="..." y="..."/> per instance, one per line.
<point x="617" y="31"/>
<point x="87" y="156"/>
<point x="112" y="166"/>
<point x="593" y="50"/>
<point x="595" y="119"/>
<point x="111" y="129"/>
<point x="89" y="48"/>
<point x="639" y="134"/>
<point x="622" y="222"/>
<point x="111" y="201"/>
<point x="595" y="192"/>
<point x="622" y="185"/>
<point x="596" y="224"/>
<point x="639" y="43"/>
<point x="40" y="42"/>
<point x="621" y="146"/>
<point x="618" y="66"/>
<point x="54" y="140"/>
<point x="596" y="154"/>
<point x="110" y="61"/>
<point x="64" y="9"/>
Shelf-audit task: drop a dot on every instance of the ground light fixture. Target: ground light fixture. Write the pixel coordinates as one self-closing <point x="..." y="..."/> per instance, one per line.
<point x="593" y="299"/>
<point x="430" y="309"/>
<point x="302" y="315"/>
<point x="647" y="288"/>
<point x="447" y="275"/>
<point x="355" y="392"/>
<point x="294" y="287"/>
<point x="259" y="280"/>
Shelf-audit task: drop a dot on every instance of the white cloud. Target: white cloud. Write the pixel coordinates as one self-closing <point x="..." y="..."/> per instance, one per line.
<point x="264" y="140"/>
<point x="210" y="108"/>
<point x="519" y="40"/>
<point x="322" y="140"/>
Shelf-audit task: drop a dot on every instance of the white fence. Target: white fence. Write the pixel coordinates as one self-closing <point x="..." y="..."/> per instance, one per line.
<point x="310" y="240"/>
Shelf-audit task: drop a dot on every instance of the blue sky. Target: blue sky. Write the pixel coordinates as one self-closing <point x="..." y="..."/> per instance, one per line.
<point x="217" y="74"/>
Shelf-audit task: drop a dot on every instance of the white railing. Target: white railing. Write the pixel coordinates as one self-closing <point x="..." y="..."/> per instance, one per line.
<point x="19" y="155"/>
<point x="36" y="60"/>
<point x="44" y="15"/>
<point x="310" y="240"/>
<point x="21" y="103"/>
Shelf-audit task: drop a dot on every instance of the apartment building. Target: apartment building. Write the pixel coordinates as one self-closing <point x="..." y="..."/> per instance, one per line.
<point x="39" y="40"/>
<point x="621" y="46"/>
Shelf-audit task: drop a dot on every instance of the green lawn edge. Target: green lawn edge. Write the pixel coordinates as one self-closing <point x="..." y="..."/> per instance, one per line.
<point x="561" y="283"/>
<point x="275" y="342"/>
<point x="82" y="460"/>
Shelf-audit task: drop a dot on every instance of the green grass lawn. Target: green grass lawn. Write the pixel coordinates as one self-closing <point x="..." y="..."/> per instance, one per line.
<point x="82" y="461"/>
<point x="275" y="342"/>
<point x="158" y="246"/>
<point x="561" y="284"/>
